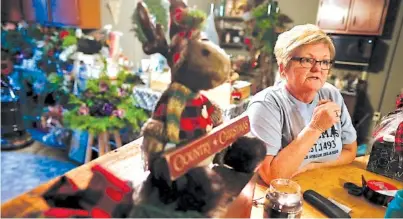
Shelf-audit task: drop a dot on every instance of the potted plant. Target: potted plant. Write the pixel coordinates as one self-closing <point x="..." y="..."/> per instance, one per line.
<point x="105" y="107"/>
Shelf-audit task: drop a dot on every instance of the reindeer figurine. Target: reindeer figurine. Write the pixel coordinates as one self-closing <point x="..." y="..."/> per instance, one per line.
<point x="183" y="114"/>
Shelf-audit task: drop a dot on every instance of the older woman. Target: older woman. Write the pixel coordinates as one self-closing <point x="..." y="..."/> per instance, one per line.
<point x="302" y="119"/>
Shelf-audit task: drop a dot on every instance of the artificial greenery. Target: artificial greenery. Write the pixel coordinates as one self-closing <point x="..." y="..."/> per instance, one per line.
<point x="105" y="105"/>
<point x="155" y="8"/>
<point x="266" y="21"/>
<point x="261" y="34"/>
<point x="194" y="19"/>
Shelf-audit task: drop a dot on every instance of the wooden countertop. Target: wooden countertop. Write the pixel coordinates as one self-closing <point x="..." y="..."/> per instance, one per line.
<point x="125" y="162"/>
<point x="329" y="183"/>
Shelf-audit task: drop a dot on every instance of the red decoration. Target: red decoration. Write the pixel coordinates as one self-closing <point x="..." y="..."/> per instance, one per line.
<point x="176" y="57"/>
<point x="8" y="69"/>
<point x="190" y="34"/>
<point x="63" y="34"/>
<point x="178" y="14"/>
<point x="247" y="41"/>
<point x="182" y="34"/>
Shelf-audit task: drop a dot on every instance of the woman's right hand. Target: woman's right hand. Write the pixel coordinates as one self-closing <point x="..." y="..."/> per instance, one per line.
<point x="325" y="115"/>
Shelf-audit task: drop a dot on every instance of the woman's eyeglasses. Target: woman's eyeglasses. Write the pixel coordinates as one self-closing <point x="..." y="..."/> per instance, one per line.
<point x="310" y="62"/>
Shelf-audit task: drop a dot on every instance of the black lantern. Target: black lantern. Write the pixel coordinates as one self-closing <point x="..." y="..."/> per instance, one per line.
<point x="13" y="132"/>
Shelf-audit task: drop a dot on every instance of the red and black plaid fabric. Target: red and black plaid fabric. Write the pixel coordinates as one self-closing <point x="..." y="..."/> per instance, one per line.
<point x="192" y="122"/>
<point x="106" y="196"/>
<point x="399" y="101"/>
<point x="399" y="138"/>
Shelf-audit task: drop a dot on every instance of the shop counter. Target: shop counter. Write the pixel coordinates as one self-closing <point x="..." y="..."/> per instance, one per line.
<point x="125" y="162"/>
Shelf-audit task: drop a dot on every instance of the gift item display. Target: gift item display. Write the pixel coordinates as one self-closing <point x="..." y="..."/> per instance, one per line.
<point x="159" y="114"/>
<point x="386" y="153"/>
<point x="183" y="115"/>
<point x="104" y="108"/>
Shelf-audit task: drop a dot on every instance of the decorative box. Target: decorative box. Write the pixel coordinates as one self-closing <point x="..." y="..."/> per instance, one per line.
<point x="241" y="90"/>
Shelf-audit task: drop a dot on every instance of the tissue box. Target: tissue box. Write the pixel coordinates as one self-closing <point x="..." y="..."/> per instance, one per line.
<point x="240" y="91"/>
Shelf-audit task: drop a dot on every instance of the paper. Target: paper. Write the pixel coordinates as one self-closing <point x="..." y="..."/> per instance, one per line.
<point x="343" y="207"/>
<point x="114" y="8"/>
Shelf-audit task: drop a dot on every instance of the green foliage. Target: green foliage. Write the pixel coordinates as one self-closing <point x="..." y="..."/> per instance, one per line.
<point x="69" y="41"/>
<point x="138" y="31"/>
<point x="54" y="81"/>
<point x="265" y="24"/>
<point x="96" y="95"/>
<point x="157" y="10"/>
<point x="93" y="125"/>
<point x="194" y="19"/>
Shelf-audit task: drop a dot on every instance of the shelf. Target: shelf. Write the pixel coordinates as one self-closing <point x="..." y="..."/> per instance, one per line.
<point x="232" y="45"/>
<point x="230" y="18"/>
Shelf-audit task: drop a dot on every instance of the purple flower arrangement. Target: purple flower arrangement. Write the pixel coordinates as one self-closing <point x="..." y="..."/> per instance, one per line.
<point x="104" y="105"/>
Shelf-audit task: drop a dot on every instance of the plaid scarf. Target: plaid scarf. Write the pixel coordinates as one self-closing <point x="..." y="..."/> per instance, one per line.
<point x="106" y="196"/>
<point x="185" y="114"/>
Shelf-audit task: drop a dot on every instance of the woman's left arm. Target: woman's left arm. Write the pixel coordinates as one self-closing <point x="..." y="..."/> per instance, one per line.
<point x="348" y="154"/>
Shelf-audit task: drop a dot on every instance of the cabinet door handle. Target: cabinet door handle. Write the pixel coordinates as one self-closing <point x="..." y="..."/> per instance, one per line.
<point x="354" y="19"/>
<point x="342" y="20"/>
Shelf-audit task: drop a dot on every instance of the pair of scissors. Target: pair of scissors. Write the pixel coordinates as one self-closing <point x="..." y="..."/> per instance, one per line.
<point x="354" y="189"/>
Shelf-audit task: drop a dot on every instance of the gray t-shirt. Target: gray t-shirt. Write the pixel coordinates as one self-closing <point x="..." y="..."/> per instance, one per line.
<point x="276" y="117"/>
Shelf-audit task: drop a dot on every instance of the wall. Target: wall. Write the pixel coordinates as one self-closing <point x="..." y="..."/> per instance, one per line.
<point x="302" y="12"/>
<point x="292" y="8"/>
<point x="129" y="43"/>
<point x="390" y="79"/>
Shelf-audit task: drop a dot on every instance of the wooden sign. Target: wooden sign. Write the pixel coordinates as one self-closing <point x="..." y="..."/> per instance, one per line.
<point x="186" y="157"/>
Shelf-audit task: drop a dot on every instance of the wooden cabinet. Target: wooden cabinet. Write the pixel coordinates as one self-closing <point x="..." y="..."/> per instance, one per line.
<point x="28" y="10"/>
<point x="41" y="10"/>
<point x="358" y="17"/>
<point x="85" y="14"/>
<point x="367" y="16"/>
<point x="89" y="14"/>
<point x="333" y="14"/>
<point x="11" y="10"/>
<point x="64" y="12"/>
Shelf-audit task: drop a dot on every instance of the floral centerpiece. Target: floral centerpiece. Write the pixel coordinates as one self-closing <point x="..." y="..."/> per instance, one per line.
<point x="105" y="105"/>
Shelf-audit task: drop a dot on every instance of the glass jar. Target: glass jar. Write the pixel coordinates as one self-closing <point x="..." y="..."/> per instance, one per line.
<point x="283" y="199"/>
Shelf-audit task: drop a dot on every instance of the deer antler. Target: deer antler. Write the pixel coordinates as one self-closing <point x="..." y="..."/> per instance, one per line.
<point x="156" y="42"/>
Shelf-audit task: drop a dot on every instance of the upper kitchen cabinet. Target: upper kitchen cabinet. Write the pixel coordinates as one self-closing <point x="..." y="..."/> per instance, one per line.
<point x="41" y="10"/>
<point x="85" y="14"/>
<point x="358" y="17"/>
<point x="333" y="14"/>
<point x="368" y="16"/>
<point x="90" y="14"/>
<point x="11" y="10"/>
<point x="65" y="12"/>
<point x="28" y="10"/>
